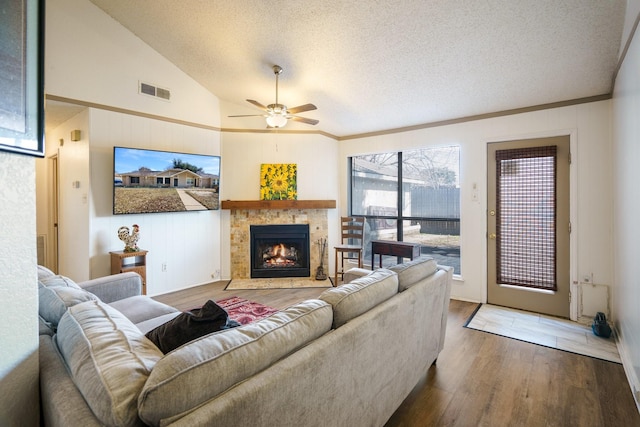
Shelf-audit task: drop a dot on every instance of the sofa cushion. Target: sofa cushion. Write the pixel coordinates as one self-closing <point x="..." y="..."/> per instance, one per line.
<point x="210" y="365"/>
<point x="108" y="358"/>
<point x="353" y="299"/>
<point x="44" y="272"/>
<point x="53" y="301"/>
<point x="190" y="325"/>
<point x="141" y="307"/>
<point x="413" y="271"/>
<point x="57" y="280"/>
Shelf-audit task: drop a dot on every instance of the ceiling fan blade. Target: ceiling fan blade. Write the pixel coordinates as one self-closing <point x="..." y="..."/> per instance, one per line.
<point x="257" y="104"/>
<point x="305" y="120"/>
<point x="302" y="108"/>
<point x="248" y="115"/>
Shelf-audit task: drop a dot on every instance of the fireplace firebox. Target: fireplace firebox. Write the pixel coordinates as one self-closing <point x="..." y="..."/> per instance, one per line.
<point x="280" y="250"/>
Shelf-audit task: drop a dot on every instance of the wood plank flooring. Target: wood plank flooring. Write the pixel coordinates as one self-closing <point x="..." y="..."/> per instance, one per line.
<point x="482" y="379"/>
<point x="197" y="296"/>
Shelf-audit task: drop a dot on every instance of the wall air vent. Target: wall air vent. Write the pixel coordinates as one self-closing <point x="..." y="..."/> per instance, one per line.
<point x="163" y="93"/>
<point x="155" y="91"/>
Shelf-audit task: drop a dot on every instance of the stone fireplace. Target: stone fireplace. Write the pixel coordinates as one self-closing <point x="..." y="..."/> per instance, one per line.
<point x="270" y="213"/>
<point x="279" y="250"/>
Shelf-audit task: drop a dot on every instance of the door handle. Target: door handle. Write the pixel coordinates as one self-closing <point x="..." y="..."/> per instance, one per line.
<point x="492" y="236"/>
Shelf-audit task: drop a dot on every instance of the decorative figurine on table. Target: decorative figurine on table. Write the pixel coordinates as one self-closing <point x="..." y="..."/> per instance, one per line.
<point x="130" y="240"/>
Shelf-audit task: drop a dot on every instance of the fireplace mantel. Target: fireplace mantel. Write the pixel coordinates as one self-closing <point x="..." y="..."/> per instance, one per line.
<point x="278" y="204"/>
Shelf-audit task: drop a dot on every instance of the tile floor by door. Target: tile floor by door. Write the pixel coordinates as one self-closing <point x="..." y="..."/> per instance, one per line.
<point x="544" y="330"/>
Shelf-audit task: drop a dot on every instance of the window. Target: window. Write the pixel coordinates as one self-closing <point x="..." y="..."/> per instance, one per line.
<point x="526" y="217"/>
<point x="190" y="182"/>
<point x="135" y="180"/>
<point x="411" y="196"/>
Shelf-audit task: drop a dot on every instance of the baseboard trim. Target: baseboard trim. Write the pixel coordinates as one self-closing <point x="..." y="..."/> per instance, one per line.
<point x="627" y="364"/>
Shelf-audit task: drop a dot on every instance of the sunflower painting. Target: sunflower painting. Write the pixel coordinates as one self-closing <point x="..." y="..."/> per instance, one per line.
<point x="278" y="181"/>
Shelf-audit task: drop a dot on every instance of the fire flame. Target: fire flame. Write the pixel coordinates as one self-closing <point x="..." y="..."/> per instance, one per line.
<point x="278" y="256"/>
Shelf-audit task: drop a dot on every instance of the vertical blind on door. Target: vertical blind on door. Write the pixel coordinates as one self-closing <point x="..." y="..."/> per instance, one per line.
<point x="526" y="217"/>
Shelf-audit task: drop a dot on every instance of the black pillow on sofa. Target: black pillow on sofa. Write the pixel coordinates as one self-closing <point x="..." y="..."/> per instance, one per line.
<point x="190" y="325"/>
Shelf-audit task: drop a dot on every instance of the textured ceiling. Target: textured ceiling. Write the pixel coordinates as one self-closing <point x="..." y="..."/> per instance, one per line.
<point x="377" y="65"/>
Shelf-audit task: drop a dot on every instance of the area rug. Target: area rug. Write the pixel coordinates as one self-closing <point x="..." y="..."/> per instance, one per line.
<point x="278" y="283"/>
<point x="244" y="311"/>
<point x="543" y="330"/>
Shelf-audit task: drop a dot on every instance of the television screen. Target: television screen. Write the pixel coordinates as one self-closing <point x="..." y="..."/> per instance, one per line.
<point x="148" y="181"/>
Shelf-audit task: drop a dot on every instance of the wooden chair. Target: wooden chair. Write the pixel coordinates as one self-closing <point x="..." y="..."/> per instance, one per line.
<point x="351" y="243"/>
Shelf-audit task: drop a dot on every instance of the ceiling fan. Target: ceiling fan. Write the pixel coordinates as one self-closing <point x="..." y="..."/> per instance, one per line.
<point x="278" y="114"/>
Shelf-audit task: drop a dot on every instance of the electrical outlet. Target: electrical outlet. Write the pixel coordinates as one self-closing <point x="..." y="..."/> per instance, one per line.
<point x="164" y="267"/>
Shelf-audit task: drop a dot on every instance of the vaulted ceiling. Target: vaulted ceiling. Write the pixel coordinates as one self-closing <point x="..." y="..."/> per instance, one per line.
<point x="377" y="65"/>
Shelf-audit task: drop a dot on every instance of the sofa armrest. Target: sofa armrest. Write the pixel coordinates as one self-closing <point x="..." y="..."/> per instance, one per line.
<point x="355" y="273"/>
<point x="114" y="287"/>
<point x="447" y="297"/>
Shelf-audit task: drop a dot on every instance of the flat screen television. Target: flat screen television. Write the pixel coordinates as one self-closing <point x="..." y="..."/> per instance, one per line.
<point x="150" y="181"/>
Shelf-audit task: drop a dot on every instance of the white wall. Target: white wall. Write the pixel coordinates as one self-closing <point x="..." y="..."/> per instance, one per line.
<point x="318" y="178"/>
<point x="92" y="59"/>
<point x="74" y="196"/>
<point x="18" y="293"/>
<point x="626" y="207"/>
<point x="187" y="242"/>
<point x="87" y="228"/>
<point x="589" y="127"/>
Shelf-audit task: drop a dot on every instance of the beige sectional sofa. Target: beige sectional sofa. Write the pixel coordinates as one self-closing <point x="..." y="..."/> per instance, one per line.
<point x="348" y="358"/>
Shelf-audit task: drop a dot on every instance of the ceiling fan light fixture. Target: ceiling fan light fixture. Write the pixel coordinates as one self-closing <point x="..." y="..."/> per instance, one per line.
<point x="276" y="120"/>
<point x="277" y="114"/>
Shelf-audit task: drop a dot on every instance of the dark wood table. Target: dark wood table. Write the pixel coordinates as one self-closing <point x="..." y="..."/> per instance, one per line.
<point x="389" y="247"/>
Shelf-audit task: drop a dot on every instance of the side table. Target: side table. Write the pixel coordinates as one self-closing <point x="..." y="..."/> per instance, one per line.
<point x="122" y="261"/>
<point x="389" y="247"/>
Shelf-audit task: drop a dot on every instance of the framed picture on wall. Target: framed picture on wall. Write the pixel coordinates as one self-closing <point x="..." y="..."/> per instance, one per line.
<point x="278" y="181"/>
<point x="21" y="77"/>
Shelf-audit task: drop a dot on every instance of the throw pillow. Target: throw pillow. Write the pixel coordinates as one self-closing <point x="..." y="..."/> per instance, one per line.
<point x="54" y="301"/>
<point x="108" y="358"/>
<point x="57" y="281"/>
<point x="190" y="325"/>
<point x="412" y="272"/>
<point x="352" y="299"/>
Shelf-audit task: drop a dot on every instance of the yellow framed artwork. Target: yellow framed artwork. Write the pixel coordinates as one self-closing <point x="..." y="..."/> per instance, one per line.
<point x="278" y="181"/>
